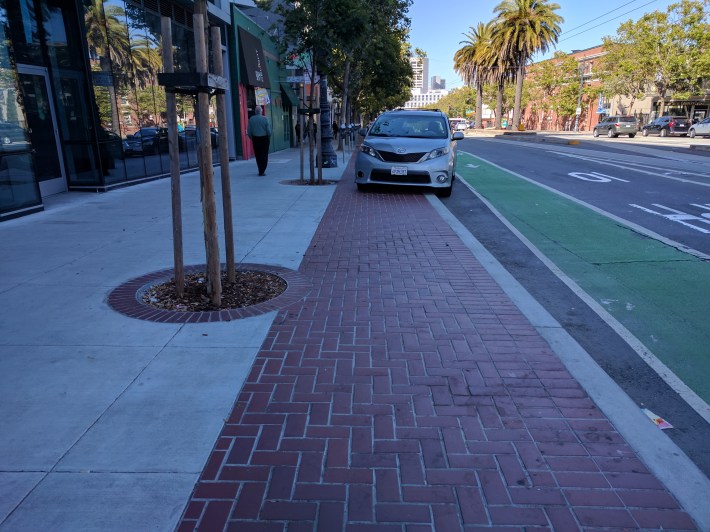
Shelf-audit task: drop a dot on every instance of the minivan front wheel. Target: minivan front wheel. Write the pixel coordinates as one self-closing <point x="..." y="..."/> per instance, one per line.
<point x="692" y="134"/>
<point x="444" y="192"/>
<point x="595" y="133"/>
<point x="645" y="133"/>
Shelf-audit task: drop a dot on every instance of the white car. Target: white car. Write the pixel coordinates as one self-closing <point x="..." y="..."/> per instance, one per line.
<point x="701" y="129"/>
<point x="412" y="148"/>
<point x="458" y="124"/>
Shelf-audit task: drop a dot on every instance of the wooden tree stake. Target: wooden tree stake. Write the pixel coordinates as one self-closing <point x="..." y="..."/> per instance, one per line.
<point x="221" y="101"/>
<point x="171" y="117"/>
<point x="209" y="211"/>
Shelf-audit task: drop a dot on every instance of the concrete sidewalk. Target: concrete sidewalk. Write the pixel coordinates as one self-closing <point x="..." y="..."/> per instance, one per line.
<point x="415" y="387"/>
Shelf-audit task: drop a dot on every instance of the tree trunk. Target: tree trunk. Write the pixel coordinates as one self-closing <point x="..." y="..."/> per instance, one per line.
<point x="518" y="94"/>
<point x="499" y="104"/>
<point x="115" y="118"/>
<point x="663" y="103"/>
<point x="479" y="105"/>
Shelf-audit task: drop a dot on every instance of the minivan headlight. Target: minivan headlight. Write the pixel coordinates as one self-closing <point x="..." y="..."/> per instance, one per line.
<point x="369" y="150"/>
<point x="439" y="152"/>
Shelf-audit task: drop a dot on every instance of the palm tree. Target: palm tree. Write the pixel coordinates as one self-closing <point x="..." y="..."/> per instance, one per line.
<point x="523" y="28"/>
<point x="107" y="38"/>
<point x="502" y="71"/>
<point x="472" y="62"/>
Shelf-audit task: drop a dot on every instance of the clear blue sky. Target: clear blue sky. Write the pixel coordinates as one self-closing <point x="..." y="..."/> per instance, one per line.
<point x="438" y="26"/>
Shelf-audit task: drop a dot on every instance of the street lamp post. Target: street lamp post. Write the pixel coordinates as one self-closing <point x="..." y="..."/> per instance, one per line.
<point x="579" y="99"/>
<point x="330" y="158"/>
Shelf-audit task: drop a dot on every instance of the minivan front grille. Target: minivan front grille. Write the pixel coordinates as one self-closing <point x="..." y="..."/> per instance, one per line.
<point x="384" y="176"/>
<point x="392" y="157"/>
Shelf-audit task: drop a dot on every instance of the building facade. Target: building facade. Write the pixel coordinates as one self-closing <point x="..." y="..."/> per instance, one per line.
<point x="259" y="78"/>
<point x="422" y="99"/>
<point x="593" y="111"/>
<point x="80" y="105"/>
<point x="437" y="83"/>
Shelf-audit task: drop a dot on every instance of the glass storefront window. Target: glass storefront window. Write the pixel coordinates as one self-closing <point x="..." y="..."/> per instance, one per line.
<point x="107" y="42"/>
<point x="24" y="31"/>
<point x="63" y="45"/>
<point x="18" y="188"/>
<point x="124" y="48"/>
<point x="60" y="29"/>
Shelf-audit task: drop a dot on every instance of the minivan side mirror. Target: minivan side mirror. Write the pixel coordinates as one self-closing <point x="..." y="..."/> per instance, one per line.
<point x="458" y="135"/>
<point x="362" y="131"/>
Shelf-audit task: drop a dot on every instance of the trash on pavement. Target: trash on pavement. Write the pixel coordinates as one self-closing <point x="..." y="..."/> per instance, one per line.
<point x="659" y="421"/>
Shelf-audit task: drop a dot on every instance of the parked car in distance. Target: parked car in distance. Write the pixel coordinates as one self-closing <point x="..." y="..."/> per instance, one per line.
<point x="458" y="124"/>
<point x="12" y="136"/>
<point x="701" y="129"/>
<point x="145" y="141"/>
<point x="190" y="134"/>
<point x="111" y="147"/>
<point x="666" y="126"/>
<point x="407" y="147"/>
<point x="613" y="126"/>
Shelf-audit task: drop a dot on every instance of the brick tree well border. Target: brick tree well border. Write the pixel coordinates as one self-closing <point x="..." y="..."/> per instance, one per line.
<point x="127" y="298"/>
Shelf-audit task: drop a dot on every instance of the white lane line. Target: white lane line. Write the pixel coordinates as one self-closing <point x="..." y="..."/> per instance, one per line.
<point x="630" y="167"/>
<point x="631" y="225"/>
<point x="675" y="216"/>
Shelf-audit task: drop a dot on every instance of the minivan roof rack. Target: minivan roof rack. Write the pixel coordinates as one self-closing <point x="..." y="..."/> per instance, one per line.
<point x="416" y="109"/>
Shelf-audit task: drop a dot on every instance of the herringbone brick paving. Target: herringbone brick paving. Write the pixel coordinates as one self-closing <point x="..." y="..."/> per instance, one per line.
<point x="406" y="392"/>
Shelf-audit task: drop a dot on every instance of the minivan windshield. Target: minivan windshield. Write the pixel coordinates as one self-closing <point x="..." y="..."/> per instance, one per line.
<point x="411" y="126"/>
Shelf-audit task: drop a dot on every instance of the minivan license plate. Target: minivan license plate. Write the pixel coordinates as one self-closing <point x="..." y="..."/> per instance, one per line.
<point x="399" y="170"/>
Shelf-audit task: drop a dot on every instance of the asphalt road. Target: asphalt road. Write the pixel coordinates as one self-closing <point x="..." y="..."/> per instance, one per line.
<point x="624" y="296"/>
<point x="661" y="190"/>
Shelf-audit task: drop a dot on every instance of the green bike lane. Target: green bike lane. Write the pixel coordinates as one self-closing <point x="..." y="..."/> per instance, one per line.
<point x="658" y="293"/>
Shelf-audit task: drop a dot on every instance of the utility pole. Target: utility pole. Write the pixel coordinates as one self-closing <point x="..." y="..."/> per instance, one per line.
<point x="579" y="99"/>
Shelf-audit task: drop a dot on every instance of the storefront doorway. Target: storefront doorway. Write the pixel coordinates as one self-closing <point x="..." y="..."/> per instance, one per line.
<point x="42" y="129"/>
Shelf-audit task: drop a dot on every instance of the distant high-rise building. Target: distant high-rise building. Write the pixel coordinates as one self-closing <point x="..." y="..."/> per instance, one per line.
<point x="437" y="83"/>
<point x="420" y="99"/>
<point x="420" y="67"/>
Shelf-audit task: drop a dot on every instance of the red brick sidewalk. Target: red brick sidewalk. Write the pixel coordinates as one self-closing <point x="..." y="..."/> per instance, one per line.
<point x="406" y="392"/>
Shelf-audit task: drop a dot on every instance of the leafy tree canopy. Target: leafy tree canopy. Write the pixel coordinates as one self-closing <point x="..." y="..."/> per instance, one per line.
<point x="668" y="51"/>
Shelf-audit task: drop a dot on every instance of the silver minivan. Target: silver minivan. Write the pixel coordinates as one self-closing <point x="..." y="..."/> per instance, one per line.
<point x="408" y="147"/>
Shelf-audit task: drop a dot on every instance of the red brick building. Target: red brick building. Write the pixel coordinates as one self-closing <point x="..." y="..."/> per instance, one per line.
<point x="549" y="120"/>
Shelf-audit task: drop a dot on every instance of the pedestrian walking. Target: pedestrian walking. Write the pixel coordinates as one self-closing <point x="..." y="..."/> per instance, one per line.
<point x="259" y="131"/>
<point x="335" y="130"/>
<point x="298" y="134"/>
